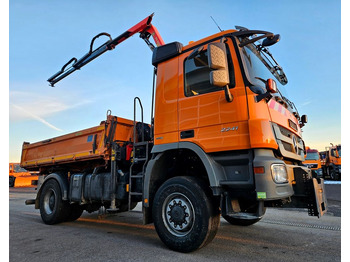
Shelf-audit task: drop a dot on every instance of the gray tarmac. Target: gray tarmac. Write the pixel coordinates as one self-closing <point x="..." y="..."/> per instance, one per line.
<point x="282" y="235"/>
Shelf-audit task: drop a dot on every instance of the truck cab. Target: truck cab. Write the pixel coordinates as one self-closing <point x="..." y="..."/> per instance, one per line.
<point x="331" y="162"/>
<point x="313" y="161"/>
<point x="252" y="142"/>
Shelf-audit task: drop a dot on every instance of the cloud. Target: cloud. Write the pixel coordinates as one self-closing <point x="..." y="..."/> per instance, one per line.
<point x="27" y="106"/>
<point x="305" y="103"/>
<point x="33" y="116"/>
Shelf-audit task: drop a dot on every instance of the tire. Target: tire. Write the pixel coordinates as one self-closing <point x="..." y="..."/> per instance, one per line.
<point x="185" y="215"/>
<point x="53" y="209"/>
<point x="248" y="219"/>
<point x="12" y="181"/>
<point x="333" y="174"/>
<point x="75" y="211"/>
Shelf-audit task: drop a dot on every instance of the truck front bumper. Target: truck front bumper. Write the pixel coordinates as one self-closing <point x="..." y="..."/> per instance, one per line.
<point x="300" y="190"/>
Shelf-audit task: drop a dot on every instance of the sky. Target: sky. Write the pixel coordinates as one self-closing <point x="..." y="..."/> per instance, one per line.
<point x="44" y="35"/>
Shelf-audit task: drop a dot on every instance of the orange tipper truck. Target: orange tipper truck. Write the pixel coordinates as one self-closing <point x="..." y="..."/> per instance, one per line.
<point x="331" y="162"/>
<point x="20" y="177"/>
<point x="222" y="141"/>
<point x="313" y="161"/>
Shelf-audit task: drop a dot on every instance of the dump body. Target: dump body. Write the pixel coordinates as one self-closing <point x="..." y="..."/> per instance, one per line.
<point x="87" y="147"/>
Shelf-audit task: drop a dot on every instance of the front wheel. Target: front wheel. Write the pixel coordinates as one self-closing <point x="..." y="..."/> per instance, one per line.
<point x="185" y="215"/>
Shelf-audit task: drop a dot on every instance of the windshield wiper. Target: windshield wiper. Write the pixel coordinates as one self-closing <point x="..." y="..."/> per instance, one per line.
<point x="250" y="36"/>
<point x="276" y="69"/>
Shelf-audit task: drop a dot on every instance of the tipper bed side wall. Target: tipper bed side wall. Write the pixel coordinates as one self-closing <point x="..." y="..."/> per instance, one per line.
<point x="85" y="145"/>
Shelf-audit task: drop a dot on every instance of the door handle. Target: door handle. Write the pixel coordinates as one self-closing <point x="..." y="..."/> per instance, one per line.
<point x="187" y="134"/>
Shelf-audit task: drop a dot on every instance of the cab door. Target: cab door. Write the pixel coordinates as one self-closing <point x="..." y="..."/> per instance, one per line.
<point x="205" y="117"/>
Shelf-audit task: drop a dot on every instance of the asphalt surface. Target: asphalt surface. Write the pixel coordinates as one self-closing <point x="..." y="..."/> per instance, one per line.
<point x="282" y="235"/>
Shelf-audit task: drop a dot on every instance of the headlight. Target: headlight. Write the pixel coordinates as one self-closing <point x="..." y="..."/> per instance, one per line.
<point x="279" y="173"/>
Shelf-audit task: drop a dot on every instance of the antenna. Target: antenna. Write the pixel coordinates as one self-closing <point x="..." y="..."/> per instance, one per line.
<point x="216" y="24"/>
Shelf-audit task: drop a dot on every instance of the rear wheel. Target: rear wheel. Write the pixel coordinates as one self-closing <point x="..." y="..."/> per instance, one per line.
<point x="333" y="174"/>
<point x="12" y="181"/>
<point x="185" y="215"/>
<point x="53" y="209"/>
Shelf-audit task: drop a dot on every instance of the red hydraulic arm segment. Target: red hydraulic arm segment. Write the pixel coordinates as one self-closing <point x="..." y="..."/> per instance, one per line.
<point x="146" y="30"/>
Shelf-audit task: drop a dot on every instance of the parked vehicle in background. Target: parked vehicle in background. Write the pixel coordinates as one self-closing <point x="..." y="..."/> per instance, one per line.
<point x="21" y="177"/>
<point x="331" y="162"/>
<point x="313" y="161"/>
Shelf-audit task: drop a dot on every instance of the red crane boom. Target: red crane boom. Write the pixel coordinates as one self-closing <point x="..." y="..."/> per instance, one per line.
<point x="146" y="30"/>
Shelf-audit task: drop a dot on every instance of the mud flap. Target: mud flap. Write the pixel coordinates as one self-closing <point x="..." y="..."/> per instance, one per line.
<point x="309" y="193"/>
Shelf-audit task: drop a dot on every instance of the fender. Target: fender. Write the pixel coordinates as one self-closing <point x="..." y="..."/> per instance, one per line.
<point x="62" y="181"/>
<point x="214" y="170"/>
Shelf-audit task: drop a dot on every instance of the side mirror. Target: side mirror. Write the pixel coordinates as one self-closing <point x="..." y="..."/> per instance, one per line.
<point x="217" y="60"/>
<point x="303" y="120"/>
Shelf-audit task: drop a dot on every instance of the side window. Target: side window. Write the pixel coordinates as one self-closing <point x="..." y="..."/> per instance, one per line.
<point x="197" y="72"/>
<point x="333" y="153"/>
<point x="197" y="75"/>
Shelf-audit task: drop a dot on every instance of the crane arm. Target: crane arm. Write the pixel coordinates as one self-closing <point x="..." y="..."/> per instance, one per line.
<point x="146" y="30"/>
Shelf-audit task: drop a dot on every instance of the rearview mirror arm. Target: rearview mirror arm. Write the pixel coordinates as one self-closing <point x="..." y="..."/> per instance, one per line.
<point x="228" y="95"/>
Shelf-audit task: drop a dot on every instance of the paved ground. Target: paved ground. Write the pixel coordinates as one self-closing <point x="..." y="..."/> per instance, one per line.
<point x="280" y="236"/>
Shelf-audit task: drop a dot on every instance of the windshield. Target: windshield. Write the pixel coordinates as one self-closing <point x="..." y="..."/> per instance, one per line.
<point x="312" y="156"/>
<point x="339" y="150"/>
<point x="19" y="169"/>
<point x="261" y="64"/>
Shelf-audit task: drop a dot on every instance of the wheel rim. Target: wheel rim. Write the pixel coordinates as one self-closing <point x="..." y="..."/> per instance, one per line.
<point x="49" y="201"/>
<point x="178" y="214"/>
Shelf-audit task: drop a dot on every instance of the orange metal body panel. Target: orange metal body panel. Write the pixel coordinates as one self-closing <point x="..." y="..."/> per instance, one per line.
<point x="166" y="107"/>
<point x="318" y="162"/>
<point x="313" y="161"/>
<point x="77" y="146"/>
<point x="335" y="160"/>
<point x="330" y="159"/>
<point x="217" y="124"/>
<point x="260" y="130"/>
<point x="280" y="115"/>
<point x="23" y="179"/>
